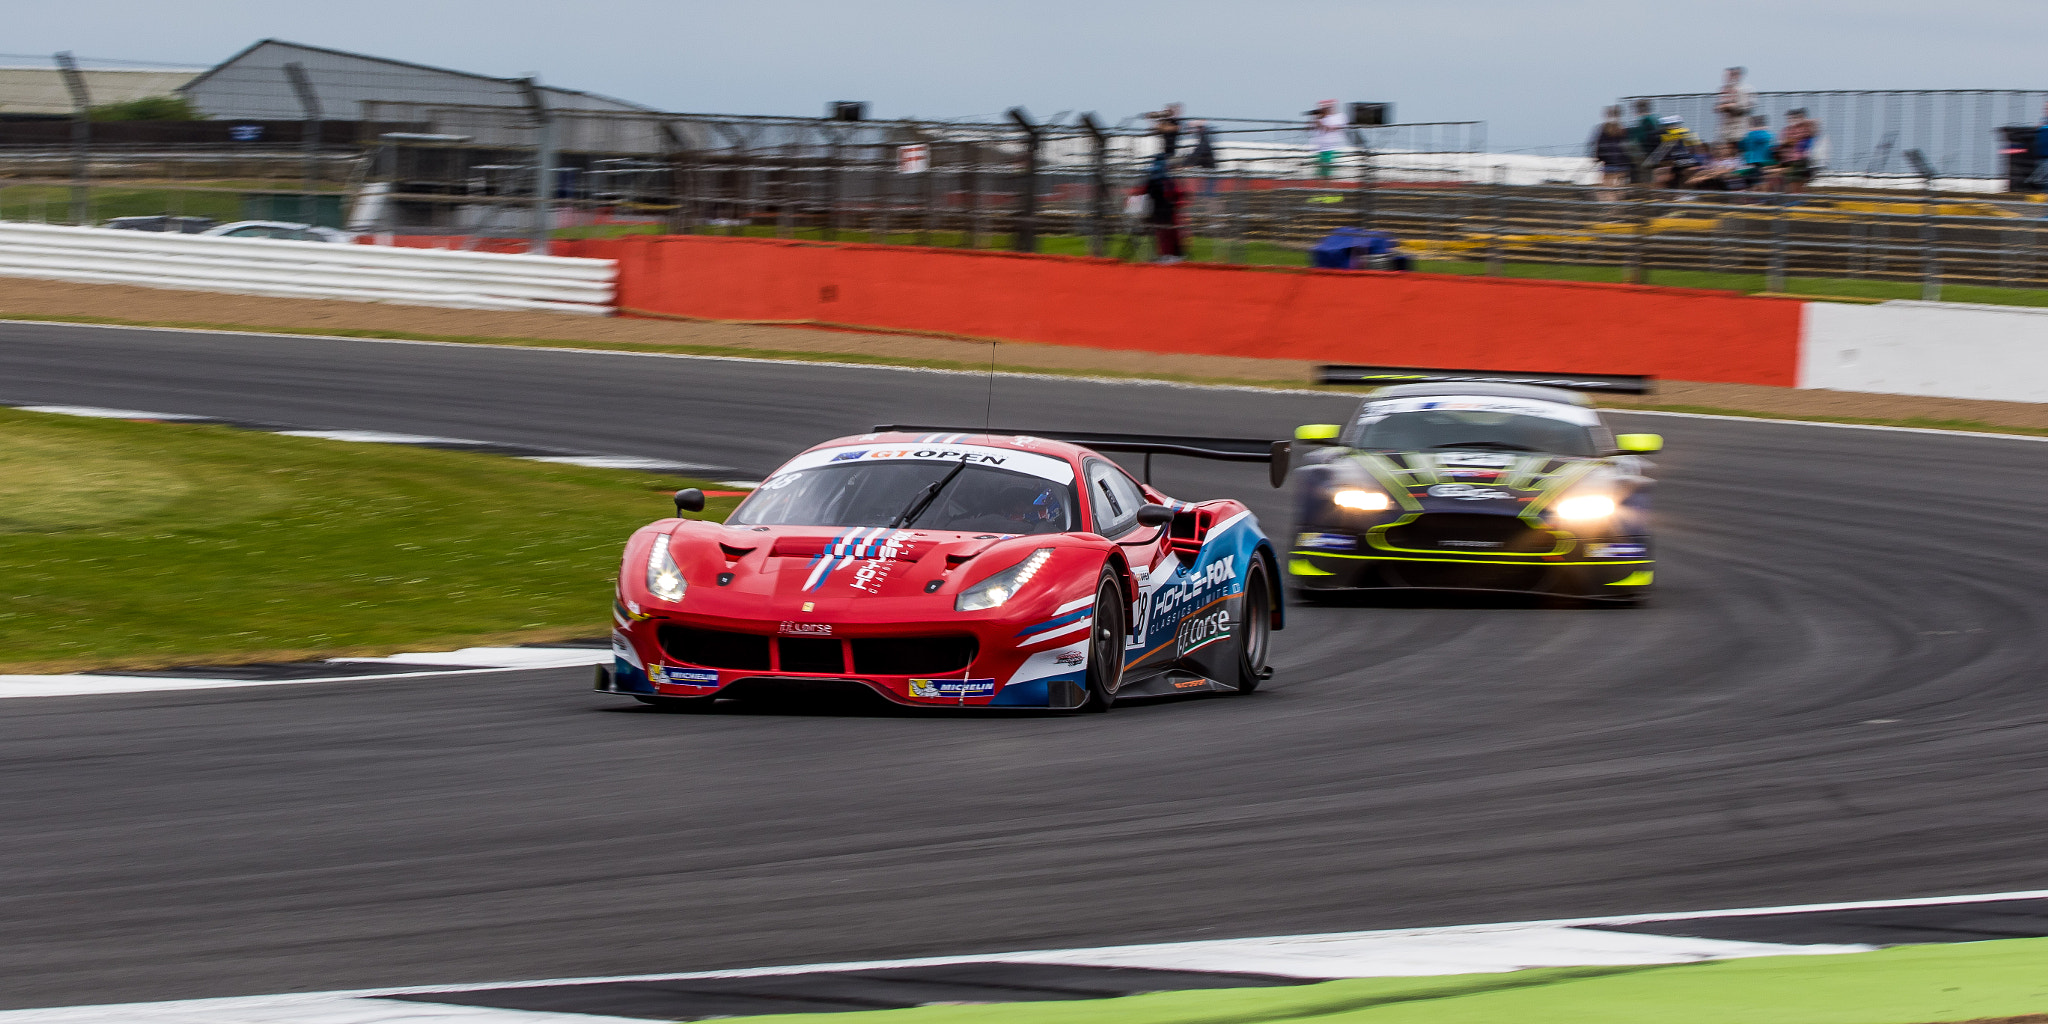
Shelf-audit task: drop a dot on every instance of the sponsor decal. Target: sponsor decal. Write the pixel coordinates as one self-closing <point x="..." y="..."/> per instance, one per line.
<point x="955" y="688"/>
<point x="1036" y="464"/>
<point x="681" y="676"/>
<point x="622" y="649"/>
<point x="1327" y="541"/>
<point x="1469" y="492"/>
<point x="1469" y="543"/>
<point x="658" y="673"/>
<point x="849" y="456"/>
<point x="872" y="545"/>
<point x="808" y="605"/>
<point x="1071" y="659"/>
<point x="1618" y="551"/>
<point x="1200" y="631"/>
<point x="1189" y="684"/>
<point x="807" y="628"/>
<point x="1481" y="460"/>
<point x="1581" y="415"/>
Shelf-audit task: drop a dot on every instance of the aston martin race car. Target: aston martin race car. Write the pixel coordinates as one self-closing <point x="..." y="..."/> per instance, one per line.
<point x="945" y="568"/>
<point x="1467" y="480"/>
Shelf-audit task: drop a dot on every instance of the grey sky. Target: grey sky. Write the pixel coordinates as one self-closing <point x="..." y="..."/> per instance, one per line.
<point x="1538" y="72"/>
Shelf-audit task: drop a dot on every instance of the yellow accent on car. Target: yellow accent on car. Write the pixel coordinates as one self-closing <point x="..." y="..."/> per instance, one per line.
<point x="1318" y="432"/>
<point x="1302" y="567"/>
<point x="1639" y="578"/>
<point x="1644" y="443"/>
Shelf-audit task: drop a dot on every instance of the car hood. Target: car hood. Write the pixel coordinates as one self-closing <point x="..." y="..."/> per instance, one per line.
<point x="1499" y="483"/>
<point x="824" y="571"/>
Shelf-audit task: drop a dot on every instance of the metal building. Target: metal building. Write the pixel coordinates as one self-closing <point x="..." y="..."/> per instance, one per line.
<point x="252" y="84"/>
<point x="41" y="90"/>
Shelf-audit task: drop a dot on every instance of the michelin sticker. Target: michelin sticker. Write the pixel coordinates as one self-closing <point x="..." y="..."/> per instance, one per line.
<point x="953" y="688"/>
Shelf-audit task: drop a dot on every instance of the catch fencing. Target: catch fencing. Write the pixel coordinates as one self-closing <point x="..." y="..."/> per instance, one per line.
<point x="1866" y="134"/>
<point x="316" y="270"/>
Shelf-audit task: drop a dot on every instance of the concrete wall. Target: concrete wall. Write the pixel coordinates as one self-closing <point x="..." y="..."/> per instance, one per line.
<point x="1943" y="349"/>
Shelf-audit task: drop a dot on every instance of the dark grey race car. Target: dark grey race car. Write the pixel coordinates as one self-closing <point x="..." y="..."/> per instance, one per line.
<point x="1467" y="483"/>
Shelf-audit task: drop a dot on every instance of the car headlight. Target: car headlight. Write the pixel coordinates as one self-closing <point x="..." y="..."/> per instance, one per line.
<point x="992" y="592"/>
<point x="1586" y="506"/>
<point x="664" y="579"/>
<point x="1361" y="500"/>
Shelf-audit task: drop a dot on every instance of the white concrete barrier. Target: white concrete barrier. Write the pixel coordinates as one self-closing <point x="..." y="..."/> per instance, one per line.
<point x="316" y="270"/>
<point x="1942" y="349"/>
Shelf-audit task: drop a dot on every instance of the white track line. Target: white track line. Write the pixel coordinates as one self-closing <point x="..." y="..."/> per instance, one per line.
<point x="528" y="659"/>
<point x="982" y="374"/>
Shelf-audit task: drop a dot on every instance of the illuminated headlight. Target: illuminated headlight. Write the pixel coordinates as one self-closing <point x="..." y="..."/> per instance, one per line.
<point x="664" y="580"/>
<point x="992" y="592"/>
<point x="1586" y="506"/>
<point x="1360" y="500"/>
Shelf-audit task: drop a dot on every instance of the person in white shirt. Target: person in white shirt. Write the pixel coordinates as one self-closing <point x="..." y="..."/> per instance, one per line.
<point x="1328" y="127"/>
<point x="1734" y="105"/>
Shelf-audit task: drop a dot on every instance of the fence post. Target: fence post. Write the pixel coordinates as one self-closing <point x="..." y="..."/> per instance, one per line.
<point x="1638" y="221"/>
<point x="1495" y="229"/>
<point x="543" y="166"/>
<point x="1930" y="260"/>
<point x="832" y="185"/>
<point x="309" y="138"/>
<point x="81" y="139"/>
<point x="1367" y="186"/>
<point x="1025" y="237"/>
<point x="972" y="186"/>
<point x="1098" y="184"/>
<point x="1240" y="203"/>
<point x="1774" y="275"/>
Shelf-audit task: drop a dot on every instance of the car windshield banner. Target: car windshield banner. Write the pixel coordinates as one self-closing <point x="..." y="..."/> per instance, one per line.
<point x="1043" y="466"/>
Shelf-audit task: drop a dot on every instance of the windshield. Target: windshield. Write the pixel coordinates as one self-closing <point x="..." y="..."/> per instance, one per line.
<point x="1481" y="424"/>
<point x="978" y="499"/>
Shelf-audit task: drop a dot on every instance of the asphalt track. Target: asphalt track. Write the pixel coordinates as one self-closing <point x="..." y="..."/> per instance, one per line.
<point x="1836" y="696"/>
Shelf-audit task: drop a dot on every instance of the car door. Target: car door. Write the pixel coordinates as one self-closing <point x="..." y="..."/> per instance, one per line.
<point x="1113" y="503"/>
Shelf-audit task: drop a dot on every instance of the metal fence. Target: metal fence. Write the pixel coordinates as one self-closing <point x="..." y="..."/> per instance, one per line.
<point x="1867" y="133"/>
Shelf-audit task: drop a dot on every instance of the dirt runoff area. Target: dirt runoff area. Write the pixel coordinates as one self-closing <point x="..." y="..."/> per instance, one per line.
<point x="29" y="300"/>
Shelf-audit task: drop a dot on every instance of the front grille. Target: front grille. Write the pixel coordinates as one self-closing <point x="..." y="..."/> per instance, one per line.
<point x="807" y="654"/>
<point x="1474" y="533"/>
<point x="1466" y="576"/>
<point x="913" y="655"/>
<point x="716" y="648"/>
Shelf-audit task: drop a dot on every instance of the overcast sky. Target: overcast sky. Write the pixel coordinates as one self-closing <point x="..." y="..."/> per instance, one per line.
<point x="1538" y="72"/>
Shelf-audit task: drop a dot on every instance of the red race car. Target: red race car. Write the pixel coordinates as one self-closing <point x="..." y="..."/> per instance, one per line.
<point x="945" y="568"/>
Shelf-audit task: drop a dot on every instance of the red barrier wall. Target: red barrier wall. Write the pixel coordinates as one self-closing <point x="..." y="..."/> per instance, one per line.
<point x="1286" y="313"/>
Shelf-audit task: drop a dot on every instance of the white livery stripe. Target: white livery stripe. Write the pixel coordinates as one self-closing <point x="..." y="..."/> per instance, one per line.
<point x="1071" y="627"/>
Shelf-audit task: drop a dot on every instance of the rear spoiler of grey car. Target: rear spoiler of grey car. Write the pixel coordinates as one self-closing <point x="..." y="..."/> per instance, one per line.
<point x="1222" y="449"/>
<point x="1383" y="376"/>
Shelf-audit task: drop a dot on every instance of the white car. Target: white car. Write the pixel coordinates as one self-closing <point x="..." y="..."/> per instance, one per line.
<point x="279" y="229"/>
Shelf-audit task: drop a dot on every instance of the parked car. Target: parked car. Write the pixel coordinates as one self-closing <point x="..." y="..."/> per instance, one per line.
<point x="279" y="229"/>
<point x="162" y="222"/>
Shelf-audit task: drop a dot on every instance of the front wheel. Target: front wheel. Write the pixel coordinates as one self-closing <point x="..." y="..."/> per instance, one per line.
<point x="1255" y="633"/>
<point x="1106" y="643"/>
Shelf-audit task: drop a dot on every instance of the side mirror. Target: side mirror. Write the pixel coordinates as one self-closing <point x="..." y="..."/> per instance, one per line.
<point x="1154" y="515"/>
<point x="1640" y="443"/>
<point x="689" y="499"/>
<point x="1318" y="433"/>
<point x="1279" y="462"/>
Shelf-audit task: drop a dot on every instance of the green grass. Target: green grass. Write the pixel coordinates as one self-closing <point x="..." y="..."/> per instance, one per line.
<point x="150" y="544"/>
<point x="1822" y="287"/>
<point x="1904" y="985"/>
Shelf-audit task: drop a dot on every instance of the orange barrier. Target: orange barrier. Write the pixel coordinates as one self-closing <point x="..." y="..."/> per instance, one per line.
<point x="1272" y="312"/>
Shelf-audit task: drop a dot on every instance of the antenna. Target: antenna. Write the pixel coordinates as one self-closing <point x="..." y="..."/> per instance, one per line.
<point x="989" y="413"/>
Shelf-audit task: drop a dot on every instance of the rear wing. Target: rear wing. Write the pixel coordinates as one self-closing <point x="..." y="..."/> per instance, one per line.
<point x="1222" y="449"/>
<point x="1383" y="376"/>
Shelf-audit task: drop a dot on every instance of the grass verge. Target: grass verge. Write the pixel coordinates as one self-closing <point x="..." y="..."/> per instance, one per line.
<point x="153" y="544"/>
<point x="1973" y="981"/>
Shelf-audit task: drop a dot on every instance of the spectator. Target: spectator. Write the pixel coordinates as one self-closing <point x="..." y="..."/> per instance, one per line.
<point x="1609" y="149"/>
<point x="1644" y="137"/>
<point x="1734" y="105"/>
<point x="1328" y="128"/>
<point x="1166" y="125"/>
<point x="1678" y="155"/>
<point x="1757" y="145"/>
<point x="1796" y="151"/>
<point x="1202" y="155"/>
<point x="1720" y="173"/>
<point x="1163" y="211"/>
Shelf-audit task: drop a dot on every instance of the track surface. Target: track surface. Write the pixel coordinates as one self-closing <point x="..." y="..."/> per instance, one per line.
<point x="1836" y="696"/>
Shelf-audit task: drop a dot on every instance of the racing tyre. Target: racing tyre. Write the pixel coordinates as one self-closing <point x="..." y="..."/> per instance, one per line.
<point x="1255" y="633"/>
<point x="683" y="705"/>
<point x="1106" y="643"/>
